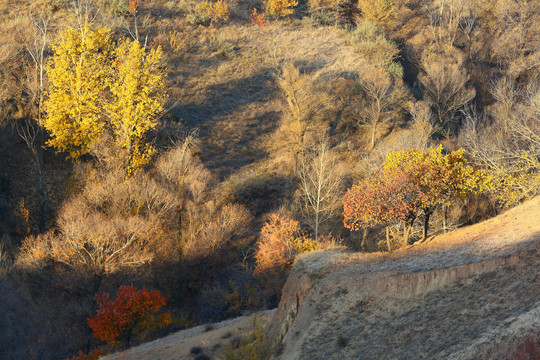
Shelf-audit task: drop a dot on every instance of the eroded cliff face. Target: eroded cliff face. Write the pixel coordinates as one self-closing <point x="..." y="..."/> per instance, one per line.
<point x="471" y="294"/>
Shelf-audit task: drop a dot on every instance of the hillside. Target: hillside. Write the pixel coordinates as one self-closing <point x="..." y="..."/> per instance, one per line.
<point x="192" y="151"/>
<point x="469" y="294"/>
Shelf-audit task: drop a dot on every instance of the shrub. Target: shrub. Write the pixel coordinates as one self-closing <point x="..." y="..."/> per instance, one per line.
<point x="198" y="19"/>
<point x="214" y="11"/>
<point x="176" y="41"/>
<point x="257" y="18"/>
<point x="370" y="40"/>
<point x="275" y="250"/>
<point x="131" y="313"/>
<point x="395" y="70"/>
<point x="256" y="346"/>
<point x="377" y="11"/>
<point x="281" y="239"/>
<point x="218" y="44"/>
<point x="279" y="8"/>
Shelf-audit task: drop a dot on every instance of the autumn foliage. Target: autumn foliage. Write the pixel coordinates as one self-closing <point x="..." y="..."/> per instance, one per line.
<point x="214" y="10"/>
<point x="379" y="200"/>
<point x="279" y="8"/>
<point x="281" y="240"/>
<point x="275" y="250"/>
<point x="131" y="313"/>
<point x="441" y="177"/>
<point x="411" y="183"/>
<point x="102" y="94"/>
<point x="258" y="18"/>
<point x="377" y="11"/>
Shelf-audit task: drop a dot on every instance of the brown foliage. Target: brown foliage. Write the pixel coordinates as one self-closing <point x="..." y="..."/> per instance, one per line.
<point x="302" y="103"/>
<point x="382" y="100"/>
<point x="274" y="251"/>
<point x="281" y="239"/>
<point x="112" y="224"/>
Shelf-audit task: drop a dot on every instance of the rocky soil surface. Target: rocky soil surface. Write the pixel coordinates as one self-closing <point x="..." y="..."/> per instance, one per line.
<point x="470" y="294"/>
<point x="209" y="339"/>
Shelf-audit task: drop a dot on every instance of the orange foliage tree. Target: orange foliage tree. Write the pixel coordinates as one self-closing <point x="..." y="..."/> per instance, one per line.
<point x="275" y="250"/>
<point x="412" y="182"/>
<point x="258" y="18"/>
<point x="131" y="313"/>
<point x="281" y="239"/>
<point x="381" y="199"/>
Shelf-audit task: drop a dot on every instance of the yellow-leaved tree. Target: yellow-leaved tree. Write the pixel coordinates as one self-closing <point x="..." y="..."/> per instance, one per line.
<point x="137" y="95"/>
<point x="100" y="91"/>
<point x="78" y="76"/>
<point x="442" y="178"/>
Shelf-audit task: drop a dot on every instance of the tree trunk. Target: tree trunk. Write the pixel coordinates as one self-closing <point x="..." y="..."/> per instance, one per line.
<point x="406" y="233"/>
<point x="388" y="239"/>
<point x="43" y="193"/>
<point x="445" y="214"/>
<point x="426" y="224"/>
<point x="364" y="237"/>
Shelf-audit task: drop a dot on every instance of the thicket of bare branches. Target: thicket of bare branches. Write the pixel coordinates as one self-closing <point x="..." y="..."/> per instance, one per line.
<point x="445" y="81"/>
<point x="506" y="140"/>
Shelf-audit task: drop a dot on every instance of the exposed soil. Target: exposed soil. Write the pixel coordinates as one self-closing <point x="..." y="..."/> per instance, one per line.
<point x="209" y="338"/>
<point x="436" y="300"/>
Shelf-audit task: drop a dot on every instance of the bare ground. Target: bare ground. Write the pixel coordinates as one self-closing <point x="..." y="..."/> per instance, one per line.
<point x="470" y="294"/>
<point x="209" y="338"/>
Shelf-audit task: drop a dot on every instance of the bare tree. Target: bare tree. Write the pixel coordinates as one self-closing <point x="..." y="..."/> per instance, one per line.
<point x="450" y="16"/>
<point x="29" y="128"/>
<point x="446" y="89"/>
<point x="506" y="140"/>
<point x="85" y="13"/>
<point x="302" y="103"/>
<point x="320" y="185"/>
<point x="381" y="101"/>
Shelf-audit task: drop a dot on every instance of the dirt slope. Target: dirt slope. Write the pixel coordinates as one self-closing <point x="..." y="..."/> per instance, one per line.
<point x="470" y="294"/>
<point x="210" y="338"/>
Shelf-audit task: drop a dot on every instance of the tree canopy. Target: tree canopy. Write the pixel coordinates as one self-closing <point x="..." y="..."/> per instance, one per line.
<point x="102" y="90"/>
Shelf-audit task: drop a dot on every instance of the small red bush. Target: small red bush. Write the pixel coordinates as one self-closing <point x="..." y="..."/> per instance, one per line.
<point x="258" y="18"/>
<point x="132" y="312"/>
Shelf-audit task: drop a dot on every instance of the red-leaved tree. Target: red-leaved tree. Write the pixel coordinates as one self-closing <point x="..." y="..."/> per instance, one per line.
<point x="381" y="199"/>
<point x="131" y="313"/>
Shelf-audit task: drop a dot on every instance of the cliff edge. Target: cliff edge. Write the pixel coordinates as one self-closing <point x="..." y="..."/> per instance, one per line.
<point x="470" y="294"/>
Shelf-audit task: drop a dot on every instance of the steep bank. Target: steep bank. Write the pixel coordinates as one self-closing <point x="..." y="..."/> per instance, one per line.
<point x="470" y="294"/>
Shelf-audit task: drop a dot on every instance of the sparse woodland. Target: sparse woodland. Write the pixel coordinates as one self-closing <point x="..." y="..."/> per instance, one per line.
<point x="190" y="149"/>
